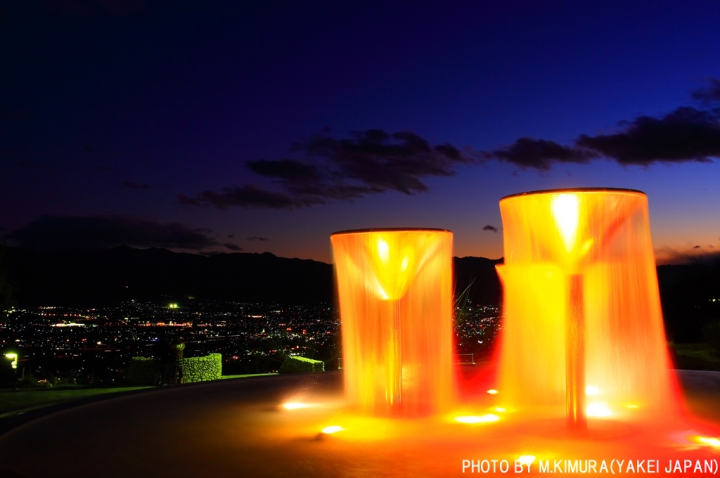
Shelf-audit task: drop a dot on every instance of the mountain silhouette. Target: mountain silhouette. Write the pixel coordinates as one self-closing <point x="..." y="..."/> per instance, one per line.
<point x="104" y="277"/>
<point x="100" y="277"/>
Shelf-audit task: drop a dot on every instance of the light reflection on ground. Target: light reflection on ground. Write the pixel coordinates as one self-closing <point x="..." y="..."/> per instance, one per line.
<point x="239" y="428"/>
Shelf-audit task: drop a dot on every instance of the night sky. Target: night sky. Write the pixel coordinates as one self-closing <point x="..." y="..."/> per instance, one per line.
<point x="258" y="126"/>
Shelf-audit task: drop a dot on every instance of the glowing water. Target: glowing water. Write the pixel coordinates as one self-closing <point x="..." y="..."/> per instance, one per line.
<point x="395" y="295"/>
<point x="583" y="330"/>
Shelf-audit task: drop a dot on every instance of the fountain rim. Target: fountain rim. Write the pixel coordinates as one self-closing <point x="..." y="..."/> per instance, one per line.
<point x="389" y="229"/>
<point x="576" y="190"/>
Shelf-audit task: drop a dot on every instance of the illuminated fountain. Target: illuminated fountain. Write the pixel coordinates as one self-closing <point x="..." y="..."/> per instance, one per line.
<point x="395" y="295"/>
<point x="583" y="327"/>
<point x="582" y="343"/>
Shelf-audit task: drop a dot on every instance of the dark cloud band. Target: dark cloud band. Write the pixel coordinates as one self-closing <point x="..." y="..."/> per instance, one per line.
<point x="332" y="169"/>
<point x="375" y="161"/>
<point x="96" y="232"/>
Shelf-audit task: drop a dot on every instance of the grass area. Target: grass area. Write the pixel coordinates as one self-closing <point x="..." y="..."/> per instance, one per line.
<point x="226" y="377"/>
<point x="11" y="400"/>
<point x="26" y="398"/>
<point x="696" y="357"/>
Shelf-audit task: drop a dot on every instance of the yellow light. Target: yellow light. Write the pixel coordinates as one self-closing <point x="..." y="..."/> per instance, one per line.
<point x="525" y="460"/>
<point x="393" y="264"/>
<point x="565" y="208"/>
<point x="598" y="409"/>
<point x="294" y="405"/>
<point x="492" y="391"/>
<point x="14" y="358"/>
<point x="632" y="405"/>
<point x="471" y="419"/>
<point x="592" y="390"/>
<point x="712" y="441"/>
<point x="499" y="409"/>
<point x="332" y="429"/>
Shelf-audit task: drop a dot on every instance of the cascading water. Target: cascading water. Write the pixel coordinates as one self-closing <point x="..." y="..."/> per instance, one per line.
<point x="395" y="295"/>
<point x="583" y="327"/>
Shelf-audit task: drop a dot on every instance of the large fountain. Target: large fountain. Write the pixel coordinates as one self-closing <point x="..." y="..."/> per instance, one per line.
<point x="583" y="327"/>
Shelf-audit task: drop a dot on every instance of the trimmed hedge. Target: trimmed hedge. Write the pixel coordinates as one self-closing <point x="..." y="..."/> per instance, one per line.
<point x="143" y="371"/>
<point x="202" y="369"/>
<point x="294" y="364"/>
<point x="146" y="371"/>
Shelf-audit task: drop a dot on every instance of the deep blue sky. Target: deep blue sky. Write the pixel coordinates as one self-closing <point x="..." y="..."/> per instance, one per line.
<point x="268" y="125"/>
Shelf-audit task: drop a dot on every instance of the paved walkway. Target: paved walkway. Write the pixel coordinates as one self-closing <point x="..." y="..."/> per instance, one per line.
<point x="235" y="428"/>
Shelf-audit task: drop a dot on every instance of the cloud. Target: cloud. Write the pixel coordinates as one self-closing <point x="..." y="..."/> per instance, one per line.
<point x="540" y="154"/>
<point x="287" y="169"/>
<point x="245" y="196"/>
<point x="328" y="169"/>
<point x="256" y="238"/>
<point x="684" y="135"/>
<point x="691" y="255"/>
<point x="710" y="93"/>
<point x="490" y="228"/>
<point x="233" y="247"/>
<point x="95" y="232"/>
<point x="134" y="185"/>
<point x="331" y="169"/>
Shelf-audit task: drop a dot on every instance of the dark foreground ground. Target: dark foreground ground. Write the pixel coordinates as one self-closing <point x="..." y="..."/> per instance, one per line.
<point x="237" y="428"/>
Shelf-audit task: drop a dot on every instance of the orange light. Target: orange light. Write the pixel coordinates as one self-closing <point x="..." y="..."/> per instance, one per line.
<point x="592" y="390"/>
<point x="712" y="441"/>
<point x="393" y="262"/>
<point x="566" y="210"/>
<point x="395" y="297"/>
<point x="473" y="419"/>
<point x="492" y="391"/>
<point x="598" y="409"/>
<point x="525" y="460"/>
<point x="579" y="275"/>
<point x="294" y="405"/>
<point x="332" y="429"/>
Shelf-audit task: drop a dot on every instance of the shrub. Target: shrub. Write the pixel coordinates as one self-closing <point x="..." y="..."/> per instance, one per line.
<point x="711" y="334"/>
<point x="143" y="371"/>
<point x="294" y="364"/>
<point x="201" y="369"/>
<point x="146" y="371"/>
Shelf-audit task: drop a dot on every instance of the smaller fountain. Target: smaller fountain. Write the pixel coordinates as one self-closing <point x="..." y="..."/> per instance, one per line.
<point x="395" y="296"/>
